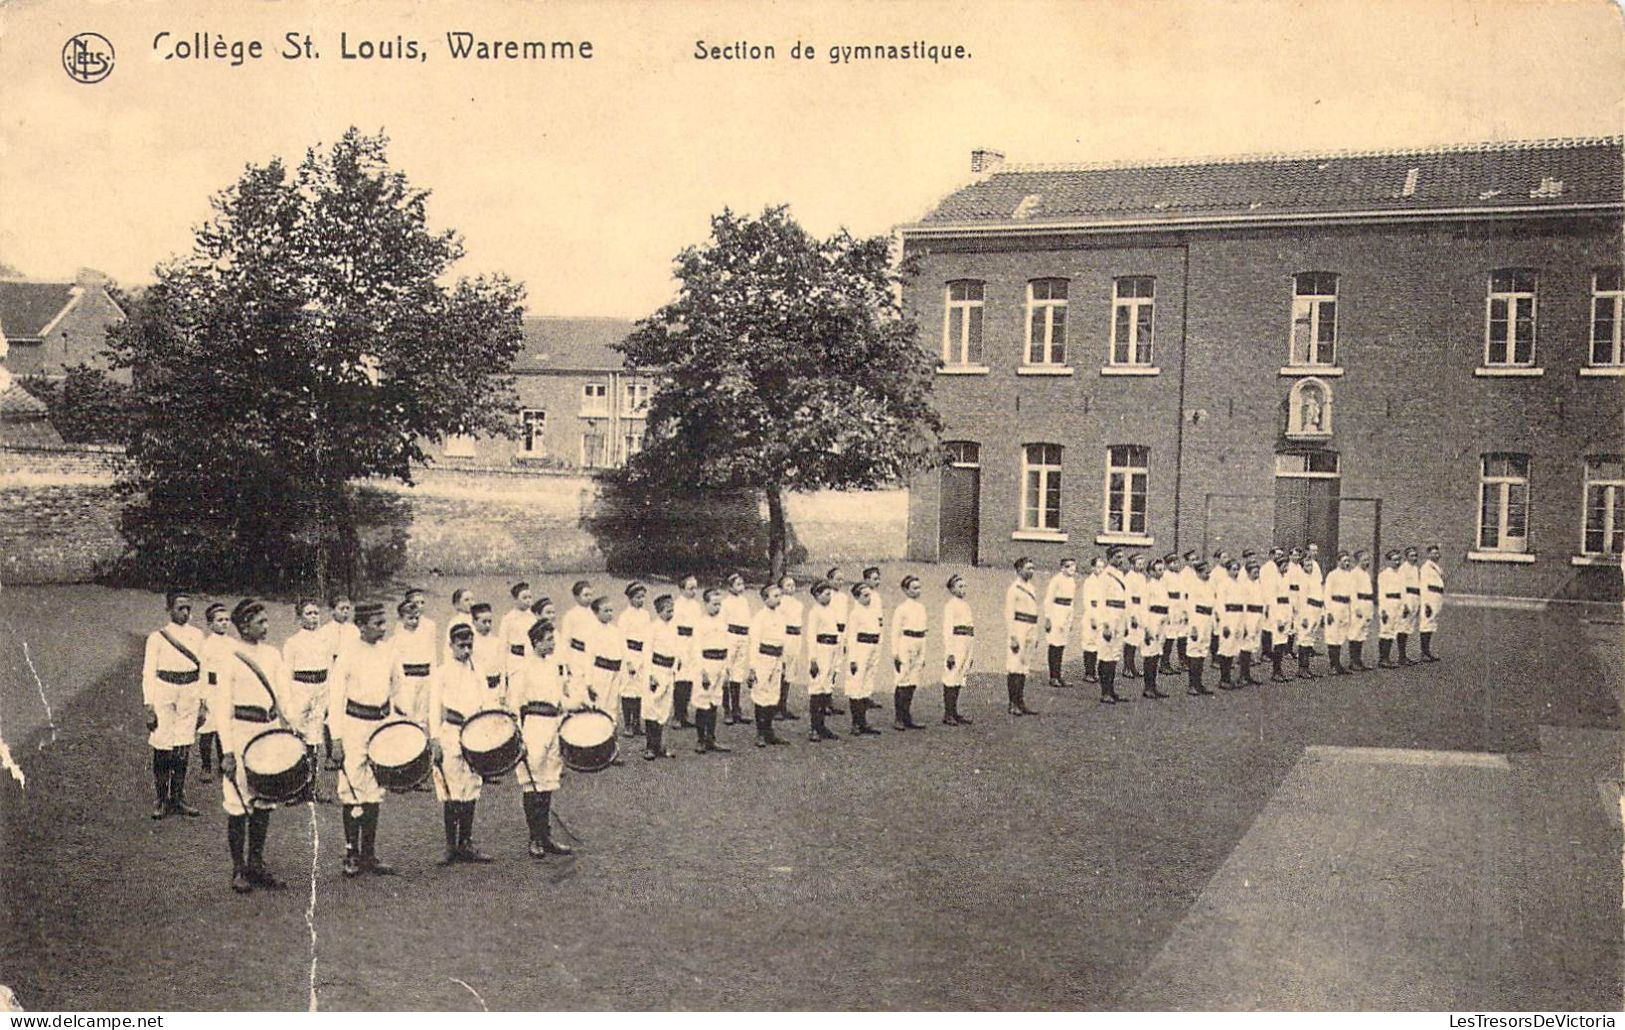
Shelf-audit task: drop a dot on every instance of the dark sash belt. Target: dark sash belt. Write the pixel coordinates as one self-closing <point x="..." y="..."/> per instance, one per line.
<point x="517" y="650"/>
<point x="1392" y="597"/>
<point x="1159" y="609"/>
<point x="868" y="638"/>
<point x="1368" y="597"/>
<point x="1063" y="601"/>
<point x="665" y="661"/>
<point x="634" y="645"/>
<point x="1117" y="604"/>
<point x="1173" y="595"/>
<point x="1341" y="598"/>
<point x="1434" y="589"/>
<point x="1234" y="607"/>
<point x="608" y="664"/>
<point x="1283" y="600"/>
<point x="738" y="630"/>
<point x="251" y="713"/>
<point x="452" y="716"/>
<point x="771" y="650"/>
<point x="578" y="645"/>
<point x="792" y="631"/>
<point x="310" y="675"/>
<point x="1024" y="617"/>
<point x="179" y="679"/>
<point x="840" y="627"/>
<point x="492" y="682"/>
<point x="685" y="631"/>
<point x="914" y="634"/>
<point x="416" y="669"/>
<point x="826" y="638"/>
<point x="964" y="631"/>
<point x="1255" y="608"/>
<point x="714" y="654"/>
<point x="1315" y="602"/>
<point x="1204" y="609"/>
<point x="374" y="713"/>
<point x="1134" y="600"/>
<point x="538" y="708"/>
<point x="1413" y="590"/>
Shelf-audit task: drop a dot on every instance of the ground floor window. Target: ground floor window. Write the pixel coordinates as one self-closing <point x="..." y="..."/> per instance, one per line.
<point x="1604" y="514"/>
<point x="1503" y="503"/>
<point x="1041" y="486"/>
<point x="1127" y="472"/>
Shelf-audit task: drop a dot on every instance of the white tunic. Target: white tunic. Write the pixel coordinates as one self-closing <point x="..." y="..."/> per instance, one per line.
<point x="766" y="648"/>
<point x="865" y="623"/>
<point x="540" y="692"/>
<point x="362" y="694"/>
<point x="172" y="683"/>
<point x="1059" y="608"/>
<point x="958" y="641"/>
<point x="457" y="692"/>
<point x="416" y="652"/>
<point x="736" y="616"/>
<point x="908" y="643"/>
<point x="714" y="644"/>
<point x="1111" y="621"/>
<point x="666" y="656"/>
<point x="1432" y="583"/>
<point x="309" y="664"/>
<point x="1020" y="626"/>
<point x="1390" y="603"/>
<point x="249" y="706"/>
<point x="823" y="648"/>
<point x="686" y="615"/>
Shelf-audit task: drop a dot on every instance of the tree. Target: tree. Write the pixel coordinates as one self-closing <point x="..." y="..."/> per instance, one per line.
<point x="306" y="342"/>
<point x="786" y="363"/>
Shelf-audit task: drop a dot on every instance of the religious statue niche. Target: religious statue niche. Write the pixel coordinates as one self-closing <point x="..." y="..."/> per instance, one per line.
<point x="1309" y="410"/>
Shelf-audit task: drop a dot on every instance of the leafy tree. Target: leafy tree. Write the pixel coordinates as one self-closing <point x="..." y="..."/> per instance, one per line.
<point x="786" y="363"/>
<point x="308" y="341"/>
<point x="86" y="405"/>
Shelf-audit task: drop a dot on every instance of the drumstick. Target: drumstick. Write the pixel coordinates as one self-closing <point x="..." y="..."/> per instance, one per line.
<point x="240" y="799"/>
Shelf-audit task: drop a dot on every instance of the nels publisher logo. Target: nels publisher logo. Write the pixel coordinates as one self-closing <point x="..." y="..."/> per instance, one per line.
<point x="88" y="57"/>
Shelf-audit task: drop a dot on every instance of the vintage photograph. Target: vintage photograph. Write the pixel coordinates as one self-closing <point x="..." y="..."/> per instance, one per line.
<point x="825" y="506"/>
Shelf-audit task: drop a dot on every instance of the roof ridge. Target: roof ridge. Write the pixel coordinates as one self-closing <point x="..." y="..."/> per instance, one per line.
<point x="1482" y="147"/>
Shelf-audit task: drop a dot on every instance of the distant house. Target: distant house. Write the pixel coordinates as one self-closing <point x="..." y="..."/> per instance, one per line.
<point x="24" y="420"/>
<point x="49" y="326"/>
<point x="579" y="406"/>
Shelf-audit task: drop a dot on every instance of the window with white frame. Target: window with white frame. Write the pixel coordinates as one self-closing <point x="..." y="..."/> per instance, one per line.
<point x="1133" y="316"/>
<point x="1046" y="322"/>
<point x="532" y="431"/>
<point x="1041" y="487"/>
<point x="1607" y="313"/>
<point x="1128" y="469"/>
<point x="1314" y="320"/>
<point x="595" y="400"/>
<point x="637" y="399"/>
<point x="962" y="324"/>
<point x="594" y="450"/>
<point x="963" y="454"/>
<point x="460" y="445"/>
<point x="1604" y="506"/>
<point x="1503" y="503"/>
<point x="1509" y="333"/>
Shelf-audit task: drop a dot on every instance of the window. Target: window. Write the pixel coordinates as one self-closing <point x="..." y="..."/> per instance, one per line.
<point x="594" y="450"/>
<point x="637" y="399"/>
<point x="1127" y="470"/>
<point x="1607" y="312"/>
<point x="1046" y="322"/>
<point x="595" y="400"/>
<point x="963" y="454"/>
<point x="1133" y="300"/>
<point x="1041" y="487"/>
<point x="1510" y="332"/>
<point x="1307" y="465"/>
<point x="631" y="444"/>
<point x="532" y="426"/>
<point x="1314" y="319"/>
<point x="1503" y="503"/>
<point x="962" y="324"/>
<point x="1604" y="506"/>
<point x="458" y="446"/>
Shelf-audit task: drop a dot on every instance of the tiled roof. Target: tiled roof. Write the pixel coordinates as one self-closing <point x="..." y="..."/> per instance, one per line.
<point x="18" y="403"/>
<point x="1535" y="174"/>
<point x="572" y="344"/>
<point x="27" y="308"/>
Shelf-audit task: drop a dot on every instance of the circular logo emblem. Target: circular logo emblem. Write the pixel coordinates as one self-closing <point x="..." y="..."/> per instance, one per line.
<point x="88" y="57"/>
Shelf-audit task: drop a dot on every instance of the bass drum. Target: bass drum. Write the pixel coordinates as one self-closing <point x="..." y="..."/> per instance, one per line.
<point x="400" y="756"/>
<point x="587" y="740"/>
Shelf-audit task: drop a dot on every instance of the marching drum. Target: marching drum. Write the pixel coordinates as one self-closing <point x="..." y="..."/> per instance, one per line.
<point x="399" y="754"/>
<point x="587" y="740"/>
<point x="276" y="766"/>
<point x="491" y="743"/>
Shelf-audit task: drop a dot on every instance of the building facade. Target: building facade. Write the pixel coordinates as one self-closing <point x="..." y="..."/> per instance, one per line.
<point x="1362" y="350"/>
<point x="579" y="407"/>
<point x="48" y="327"/>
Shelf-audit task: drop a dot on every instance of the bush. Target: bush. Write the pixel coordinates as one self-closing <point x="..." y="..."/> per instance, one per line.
<point x="87" y="405"/>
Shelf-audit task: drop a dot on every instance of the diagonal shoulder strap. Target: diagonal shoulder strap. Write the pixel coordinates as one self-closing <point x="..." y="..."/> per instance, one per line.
<point x="182" y="648"/>
<point x="259" y="674"/>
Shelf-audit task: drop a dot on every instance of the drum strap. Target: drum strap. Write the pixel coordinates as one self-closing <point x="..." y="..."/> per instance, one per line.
<point x="259" y="674"/>
<point x="452" y="716"/>
<point x="182" y="648"/>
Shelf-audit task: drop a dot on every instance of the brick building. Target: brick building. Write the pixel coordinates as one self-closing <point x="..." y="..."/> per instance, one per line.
<point x="579" y="407"/>
<point x="49" y="326"/>
<point x="1244" y="351"/>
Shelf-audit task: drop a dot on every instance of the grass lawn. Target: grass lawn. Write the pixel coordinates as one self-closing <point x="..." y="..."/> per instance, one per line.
<point x="1035" y="863"/>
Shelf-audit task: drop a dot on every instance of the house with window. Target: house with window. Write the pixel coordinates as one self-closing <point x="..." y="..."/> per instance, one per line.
<point x="579" y="406"/>
<point x="1359" y="349"/>
<point x="48" y="327"/>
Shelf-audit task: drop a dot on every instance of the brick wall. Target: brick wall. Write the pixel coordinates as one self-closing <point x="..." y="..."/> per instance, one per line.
<point x="58" y="513"/>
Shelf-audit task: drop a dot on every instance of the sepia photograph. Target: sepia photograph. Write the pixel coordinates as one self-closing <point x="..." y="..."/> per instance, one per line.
<point x="940" y="506"/>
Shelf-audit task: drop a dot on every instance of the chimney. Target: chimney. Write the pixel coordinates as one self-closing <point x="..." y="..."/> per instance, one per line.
<point x="984" y="160"/>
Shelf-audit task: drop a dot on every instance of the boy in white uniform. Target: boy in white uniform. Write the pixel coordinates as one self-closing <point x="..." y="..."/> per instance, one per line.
<point x="1341" y="587"/>
<point x="1362" y="611"/>
<point x="736" y="614"/>
<point x="1229" y="613"/>
<point x="1153" y="626"/>
<point x="363" y="691"/>
<point x="577" y="625"/>
<point x="1390" y="609"/>
<point x="1134" y="579"/>
<point x="1199" y="594"/>
<point x="1089" y="618"/>
<point x="604" y="658"/>
<point x="1278" y="614"/>
<point x="1021" y="635"/>
<point x="1255" y="596"/>
<point x="958" y="647"/>
<point x="171" y="690"/>
<point x="1411" y="574"/>
<point x="766" y="675"/>
<point x="216" y="647"/>
<point x="516" y="622"/>
<point x="540" y="693"/>
<point x="1431" y="576"/>
<point x="306" y="656"/>
<point x="714" y="644"/>
<point x="1111" y="625"/>
<point x="823" y="659"/>
<point x="665" y="662"/>
<point x="908" y="654"/>
<point x="795" y="647"/>
<point x="490" y="653"/>
<point x="457" y="692"/>
<point x="1059" y="609"/>
<point x="863" y="629"/>
<point x="1176" y="626"/>
<point x="686" y="613"/>
<point x="1311" y="616"/>
<point x="253" y="685"/>
<point x="415" y="651"/>
<point x="634" y="627"/>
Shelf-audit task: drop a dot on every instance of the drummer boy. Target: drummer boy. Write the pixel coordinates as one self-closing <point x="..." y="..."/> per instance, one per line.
<point x="457" y="692"/>
<point x="540" y="692"/>
<point x="253" y="689"/>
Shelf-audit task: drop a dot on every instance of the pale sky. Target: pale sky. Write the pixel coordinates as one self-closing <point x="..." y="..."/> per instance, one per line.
<point x="583" y="179"/>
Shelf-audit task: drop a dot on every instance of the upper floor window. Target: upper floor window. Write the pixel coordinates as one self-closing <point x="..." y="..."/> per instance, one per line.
<point x="1133" y="303"/>
<point x="1314" y="319"/>
<point x="595" y="400"/>
<point x="962" y="324"/>
<point x="532" y="429"/>
<point x="1127" y="472"/>
<point x="1607" y="313"/>
<point x="1041" y="487"/>
<point x="1503" y="503"/>
<point x="1046" y="322"/>
<point x="1604" y="506"/>
<point x="637" y="399"/>
<point x="1509" y="337"/>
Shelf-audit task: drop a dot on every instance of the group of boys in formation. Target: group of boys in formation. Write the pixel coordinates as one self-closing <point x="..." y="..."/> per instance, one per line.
<point x="346" y="685"/>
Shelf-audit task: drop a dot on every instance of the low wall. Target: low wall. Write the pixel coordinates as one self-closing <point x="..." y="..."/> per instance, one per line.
<point x="58" y="512"/>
